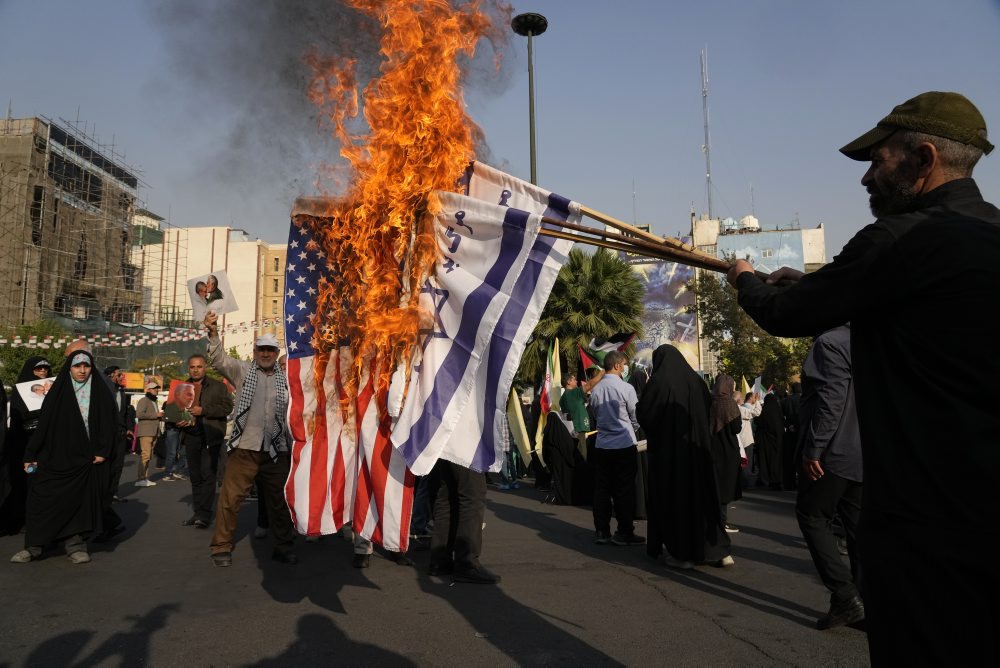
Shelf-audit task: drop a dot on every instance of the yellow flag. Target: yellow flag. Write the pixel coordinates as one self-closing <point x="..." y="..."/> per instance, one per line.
<point x="515" y="418"/>
<point x="744" y="387"/>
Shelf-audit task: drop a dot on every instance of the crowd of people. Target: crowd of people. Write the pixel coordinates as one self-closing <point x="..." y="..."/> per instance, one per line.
<point x="889" y="405"/>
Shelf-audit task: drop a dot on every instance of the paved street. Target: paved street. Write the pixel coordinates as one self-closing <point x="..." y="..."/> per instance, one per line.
<point x="154" y="598"/>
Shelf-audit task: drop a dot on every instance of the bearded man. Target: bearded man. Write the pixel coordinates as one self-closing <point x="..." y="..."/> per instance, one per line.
<point x="929" y="427"/>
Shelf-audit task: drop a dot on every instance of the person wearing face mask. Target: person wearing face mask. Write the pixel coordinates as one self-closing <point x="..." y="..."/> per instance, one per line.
<point x="66" y="460"/>
<point x="258" y="446"/>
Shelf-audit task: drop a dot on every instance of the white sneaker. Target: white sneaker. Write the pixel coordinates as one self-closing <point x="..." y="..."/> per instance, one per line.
<point x="142" y="483"/>
<point x="727" y="561"/>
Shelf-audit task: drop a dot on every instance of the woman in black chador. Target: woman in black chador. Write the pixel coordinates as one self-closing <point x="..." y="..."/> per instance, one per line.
<point x="68" y="451"/>
<point x="683" y="498"/>
<point x="725" y="423"/>
<point x="22" y="426"/>
<point x="767" y="440"/>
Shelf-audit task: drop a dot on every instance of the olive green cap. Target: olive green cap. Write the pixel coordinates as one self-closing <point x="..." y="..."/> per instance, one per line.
<point x="947" y="115"/>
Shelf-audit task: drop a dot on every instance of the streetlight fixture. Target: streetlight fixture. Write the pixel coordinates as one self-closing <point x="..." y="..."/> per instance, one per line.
<point x="529" y="25"/>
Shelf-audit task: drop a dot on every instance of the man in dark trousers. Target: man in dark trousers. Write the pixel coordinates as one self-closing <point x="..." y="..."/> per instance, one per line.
<point x="203" y="438"/>
<point x="829" y="457"/>
<point x="929" y="424"/>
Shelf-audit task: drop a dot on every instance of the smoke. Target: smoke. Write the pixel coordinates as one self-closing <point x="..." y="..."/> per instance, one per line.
<point x="247" y="58"/>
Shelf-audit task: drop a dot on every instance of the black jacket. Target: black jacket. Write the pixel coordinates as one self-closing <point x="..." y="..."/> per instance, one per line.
<point x="216" y="404"/>
<point x="829" y="429"/>
<point x="919" y="290"/>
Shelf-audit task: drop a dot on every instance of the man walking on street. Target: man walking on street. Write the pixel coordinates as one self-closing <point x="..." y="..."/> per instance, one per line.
<point x="203" y="438"/>
<point x="928" y="428"/>
<point x="258" y="447"/>
<point x="616" y="457"/>
<point x="830" y="475"/>
<point x="149" y="415"/>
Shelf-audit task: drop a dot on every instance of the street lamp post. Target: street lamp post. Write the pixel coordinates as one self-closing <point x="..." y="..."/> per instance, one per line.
<point x="529" y="25"/>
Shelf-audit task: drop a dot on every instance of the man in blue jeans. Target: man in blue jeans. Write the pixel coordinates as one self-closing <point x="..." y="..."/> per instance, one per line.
<point x="615" y="455"/>
<point x="174" y="455"/>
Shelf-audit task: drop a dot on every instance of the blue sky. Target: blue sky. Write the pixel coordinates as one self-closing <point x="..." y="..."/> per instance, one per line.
<point x="618" y="100"/>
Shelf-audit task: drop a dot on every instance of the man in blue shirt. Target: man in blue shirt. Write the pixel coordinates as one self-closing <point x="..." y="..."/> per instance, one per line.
<point x="615" y="457"/>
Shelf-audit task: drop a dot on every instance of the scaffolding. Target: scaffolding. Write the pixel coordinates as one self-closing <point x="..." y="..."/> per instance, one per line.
<point x="76" y="244"/>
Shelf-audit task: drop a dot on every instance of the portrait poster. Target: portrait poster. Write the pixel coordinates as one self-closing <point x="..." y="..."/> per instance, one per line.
<point x="33" y="392"/>
<point x="211" y="292"/>
<point x="180" y="398"/>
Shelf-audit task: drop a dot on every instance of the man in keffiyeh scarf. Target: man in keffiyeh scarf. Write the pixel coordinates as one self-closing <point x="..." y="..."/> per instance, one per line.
<point x="258" y="447"/>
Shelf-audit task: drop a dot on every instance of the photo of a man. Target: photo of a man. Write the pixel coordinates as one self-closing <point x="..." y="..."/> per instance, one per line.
<point x="211" y="292"/>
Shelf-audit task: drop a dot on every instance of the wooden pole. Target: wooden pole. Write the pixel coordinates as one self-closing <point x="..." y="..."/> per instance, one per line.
<point x="634" y="231"/>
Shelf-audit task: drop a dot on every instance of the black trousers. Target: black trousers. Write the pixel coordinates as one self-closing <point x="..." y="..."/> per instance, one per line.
<point x="614" y="481"/>
<point x="203" y="465"/>
<point x="459" y="507"/>
<point x="930" y="592"/>
<point x="817" y="503"/>
<point x="110" y="519"/>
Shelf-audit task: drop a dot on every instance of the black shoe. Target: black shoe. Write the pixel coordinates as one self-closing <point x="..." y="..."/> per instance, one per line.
<point x="400" y="559"/>
<point x="446" y="568"/>
<point x="223" y="559"/>
<point x="627" y="539"/>
<point x="850" y="611"/>
<point x="289" y="558"/>
<point x="602" y="537"/>
<point x="189" y="522"/>
<point x="200" y="524"/>
<point x="475" y="575"/>
<point x="118" y="499"/>
<point x="361" y="561"/>
<point x="105" y="536"/>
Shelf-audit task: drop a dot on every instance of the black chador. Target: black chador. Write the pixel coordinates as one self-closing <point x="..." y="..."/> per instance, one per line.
<point x="64" y="494"/>
<point x="683" y="507"/>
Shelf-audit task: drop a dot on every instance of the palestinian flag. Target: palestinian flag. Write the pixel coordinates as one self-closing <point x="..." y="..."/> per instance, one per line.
<point x="586" y="361"/>
<point x="598" y="348"/>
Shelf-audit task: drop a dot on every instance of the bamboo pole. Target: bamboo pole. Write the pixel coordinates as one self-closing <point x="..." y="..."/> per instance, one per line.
<point x="696" y="255"/>
<point x="635" y="231"/>
<point x="618" y="242"/>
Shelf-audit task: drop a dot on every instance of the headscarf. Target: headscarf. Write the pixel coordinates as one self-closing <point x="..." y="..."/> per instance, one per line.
<point x="724" y="409"/>
<point x="64" y="437"/>
<point x="674" y="386"/>
<point x="28" y="370"/>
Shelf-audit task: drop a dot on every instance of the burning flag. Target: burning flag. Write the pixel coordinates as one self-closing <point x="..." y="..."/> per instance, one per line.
<point x="353" y="309"/>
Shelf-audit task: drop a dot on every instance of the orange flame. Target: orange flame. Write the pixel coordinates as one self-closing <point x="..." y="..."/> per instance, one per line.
<point x="378" y="237"/>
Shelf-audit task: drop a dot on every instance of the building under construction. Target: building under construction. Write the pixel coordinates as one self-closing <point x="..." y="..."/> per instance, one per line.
<point x="68" y="243"/>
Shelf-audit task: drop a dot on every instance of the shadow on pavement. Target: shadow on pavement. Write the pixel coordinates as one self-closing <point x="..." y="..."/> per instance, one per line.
<point x="131" y="648"/>
<point x="320" y="640"/>
<point x="559" y="532"/>
<point x="518" y="631"/>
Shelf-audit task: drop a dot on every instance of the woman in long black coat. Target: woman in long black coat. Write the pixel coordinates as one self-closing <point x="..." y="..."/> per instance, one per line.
<point x="725" y="423"/>
<point x="68" y="451"/>
<point x="22" y="426"/>
<point x="767" y="440"/>
<point x="683" y="498"/>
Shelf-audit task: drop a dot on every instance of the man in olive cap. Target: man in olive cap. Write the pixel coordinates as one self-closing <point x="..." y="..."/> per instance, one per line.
<point x="929" y="420"/>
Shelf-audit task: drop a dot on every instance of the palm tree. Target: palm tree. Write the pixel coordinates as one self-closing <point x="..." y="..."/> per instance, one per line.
<point x="595" y="296"/>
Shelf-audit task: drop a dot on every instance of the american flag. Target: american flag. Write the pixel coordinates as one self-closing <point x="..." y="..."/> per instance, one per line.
<point x="344" y="469"/>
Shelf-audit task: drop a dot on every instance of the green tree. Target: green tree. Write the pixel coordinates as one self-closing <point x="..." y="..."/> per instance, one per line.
<point x="12" y="359"/>
<point x="595" y="295"/>
<point x="743" y="348"/>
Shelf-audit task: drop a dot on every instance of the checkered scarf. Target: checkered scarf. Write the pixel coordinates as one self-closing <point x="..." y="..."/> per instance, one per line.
<point x="275" y="434"/>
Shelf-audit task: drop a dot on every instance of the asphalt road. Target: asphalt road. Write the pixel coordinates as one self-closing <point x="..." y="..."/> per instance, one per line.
<point x="153" y="597"/>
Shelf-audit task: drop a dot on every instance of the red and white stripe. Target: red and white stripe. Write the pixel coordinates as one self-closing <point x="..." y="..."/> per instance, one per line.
<point x="343" y="466"/>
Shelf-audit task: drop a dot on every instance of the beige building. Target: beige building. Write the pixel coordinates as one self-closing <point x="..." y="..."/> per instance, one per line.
<point x="66" y="207"/>
<point x="255" y="269"/>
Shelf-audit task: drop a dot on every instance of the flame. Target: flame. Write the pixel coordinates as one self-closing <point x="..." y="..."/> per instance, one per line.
<point x="378" y="237"/>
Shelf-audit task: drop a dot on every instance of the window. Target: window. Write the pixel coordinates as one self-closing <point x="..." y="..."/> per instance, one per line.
<point x="767" y="252"/>
<point x="276" y="267"/>
<point x="274" y="307"/>
<point x="36" y="215"/>
<point x="275" y="288"/>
